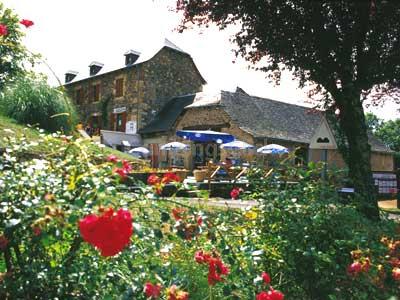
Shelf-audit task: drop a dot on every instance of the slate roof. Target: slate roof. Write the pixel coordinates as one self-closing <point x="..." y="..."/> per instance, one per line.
<point x="83" y="73"/>
<point x="260" y="117"/>
<point x="265" y="118"/>
<point x="166" y="118"/>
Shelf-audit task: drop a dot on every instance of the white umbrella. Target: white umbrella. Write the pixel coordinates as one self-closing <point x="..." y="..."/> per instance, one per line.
<point x="174" y="146"/>
<point x="139" y="150"/>
<point x="272" y="149"/>
<point x="236" y="145"/>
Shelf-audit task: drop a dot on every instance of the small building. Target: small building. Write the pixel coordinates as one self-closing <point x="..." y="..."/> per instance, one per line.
<point x="257" y="121"/>
<point x="126" y="98"/>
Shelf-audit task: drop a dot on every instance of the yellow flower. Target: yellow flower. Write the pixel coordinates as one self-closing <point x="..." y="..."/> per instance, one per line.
<point x="251" y="215"/>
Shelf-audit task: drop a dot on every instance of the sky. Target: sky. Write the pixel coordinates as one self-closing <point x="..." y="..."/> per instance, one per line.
<point x="71" y="34"/>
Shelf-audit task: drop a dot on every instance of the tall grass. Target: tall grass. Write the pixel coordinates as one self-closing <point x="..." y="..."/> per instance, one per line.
<point x="33" y="101"/>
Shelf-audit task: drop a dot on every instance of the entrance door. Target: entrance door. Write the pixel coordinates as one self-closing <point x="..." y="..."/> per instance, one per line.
<point x="120" y="121"/>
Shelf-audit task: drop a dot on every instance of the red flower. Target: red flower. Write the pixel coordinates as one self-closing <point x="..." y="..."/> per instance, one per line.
<point x="26" y="23"/>
<point x="202" y="257"/>
<point x="121" y="172"/>
<point x="126" y="166"/>
<point x="36" y="230"/>
<point x="112" y="158"/>
<point x="3" y="242"/>
<point x="109" y="233"/>
<point x="265" y="276"/>
<point x="235" y="193"/>
<point x="153" y="179"/>
<point x="177" y="213"/>
<point x="216" y="268"/>
<point x="152" y="290"/>
<point x="354" y="269"/>
<point x="170" y="177"/>
<point x="199" y="220"/>
<point x="3" y="30"/>
<point x="396" y="274"/>
<point x="262" y="296"/>
<point x="275" y="295"/>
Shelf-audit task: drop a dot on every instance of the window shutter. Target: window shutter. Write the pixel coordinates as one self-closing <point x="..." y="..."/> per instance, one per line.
<point x="124" y="121"/>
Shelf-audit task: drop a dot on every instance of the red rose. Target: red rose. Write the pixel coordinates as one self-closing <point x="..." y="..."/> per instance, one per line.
<point x="126" y="166"/>
<point x="3" y="242"/>
<point x="3" y="30"/>
<point x="121" y="172"/>
<point x="265" y="276"/>
<point x="170" y="177"/>
<point x="354" y="268"/>
<point x="275" y="295"/>
<point x="109" y="233"/>
<point x="235" y="192"/>
<point x="262" y="296"/>
<point x="26" y="23"/>
<point x="112" y="158"/>
<point x="153" y="179"/>
<point x="152" y="290"/>
<point x="396" y="274"/>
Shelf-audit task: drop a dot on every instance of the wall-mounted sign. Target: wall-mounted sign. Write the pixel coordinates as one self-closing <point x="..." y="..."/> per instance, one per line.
<point x="323" y="137"/>
<point x="119" y="110"/>
<point x="131" y="127"/>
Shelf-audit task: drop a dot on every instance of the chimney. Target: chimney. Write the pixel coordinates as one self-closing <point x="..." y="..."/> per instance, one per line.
<point x="131" y="57"/>
<point x="70" y="75"/>
<point x="95" y="68"/>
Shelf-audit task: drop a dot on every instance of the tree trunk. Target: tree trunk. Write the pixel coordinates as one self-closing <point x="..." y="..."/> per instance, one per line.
<point x="352" y="123"/>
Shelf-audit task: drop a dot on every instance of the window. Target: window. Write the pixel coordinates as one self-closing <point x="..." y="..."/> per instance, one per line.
<point x="79" y="96"/>
<point x="95" y="92"/>
<point x="119" y="87"/>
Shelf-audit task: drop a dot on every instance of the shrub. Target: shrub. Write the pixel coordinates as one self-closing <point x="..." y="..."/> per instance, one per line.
<point x="33" y="101"/>
<point x="309" y="234"/>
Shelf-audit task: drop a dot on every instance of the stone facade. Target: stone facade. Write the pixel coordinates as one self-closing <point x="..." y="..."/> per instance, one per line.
<point x="146" y="88"/>
<point x="215" y="118"/>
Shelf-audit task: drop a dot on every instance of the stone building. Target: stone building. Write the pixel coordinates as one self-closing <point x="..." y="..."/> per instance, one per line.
<point x="257" y="121"/>
<point x="121" y="101"/>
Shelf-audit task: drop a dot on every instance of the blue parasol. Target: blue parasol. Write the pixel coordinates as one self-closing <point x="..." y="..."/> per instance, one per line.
<point x="205" y="136"/>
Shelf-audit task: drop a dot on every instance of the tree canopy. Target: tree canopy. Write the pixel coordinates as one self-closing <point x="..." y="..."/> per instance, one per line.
<point x="12" y="52"/>
<point x="348" y="49"/>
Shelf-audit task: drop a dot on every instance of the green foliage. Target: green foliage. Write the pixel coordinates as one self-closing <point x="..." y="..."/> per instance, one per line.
<point x="299" y="232"/>
<point x="33" y="101"/>
<point x="310" y="233"/>
<point x="373" y="122"/>
<point x="13" y="53"/>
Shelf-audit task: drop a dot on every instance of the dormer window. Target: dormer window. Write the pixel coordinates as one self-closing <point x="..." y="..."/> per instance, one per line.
<point x="70" y="75"/>
<point x="95" y="68"/>
<point x="131" y="57"/>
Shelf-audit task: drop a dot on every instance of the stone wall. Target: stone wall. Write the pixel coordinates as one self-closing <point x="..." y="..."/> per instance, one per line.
<point x="147" y="87"/>
<point x="379" y="161"/>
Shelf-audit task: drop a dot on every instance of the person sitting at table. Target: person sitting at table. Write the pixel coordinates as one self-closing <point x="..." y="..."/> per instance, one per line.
<point x="228" y="162"/>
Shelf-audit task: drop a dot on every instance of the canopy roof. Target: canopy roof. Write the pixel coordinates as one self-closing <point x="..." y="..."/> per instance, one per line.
<point x="205" y="136"/>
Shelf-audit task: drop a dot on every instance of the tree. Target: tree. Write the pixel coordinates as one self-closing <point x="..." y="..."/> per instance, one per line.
<point x="12" y="53"/>
<point x="346" y="48"/>
<point x="373" y="122"/>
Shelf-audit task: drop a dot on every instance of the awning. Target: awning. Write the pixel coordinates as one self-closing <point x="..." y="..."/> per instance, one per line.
<point x="205" y="136"/>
